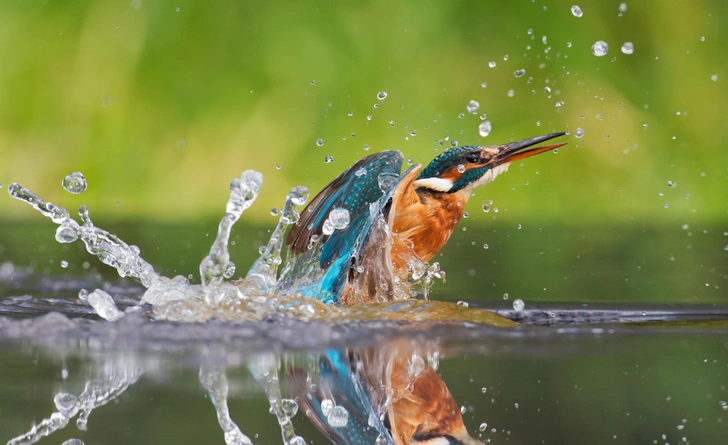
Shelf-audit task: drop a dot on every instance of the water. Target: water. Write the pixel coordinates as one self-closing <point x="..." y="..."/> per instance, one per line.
<point x="600" y="48"/>
<point x="354" y="374"/>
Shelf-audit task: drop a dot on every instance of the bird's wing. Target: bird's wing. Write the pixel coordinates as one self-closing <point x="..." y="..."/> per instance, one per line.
<point x="364" y="190"/>
<point x="339" y="383"/>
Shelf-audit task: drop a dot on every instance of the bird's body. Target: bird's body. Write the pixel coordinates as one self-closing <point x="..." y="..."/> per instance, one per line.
<point x="395" y="219"/>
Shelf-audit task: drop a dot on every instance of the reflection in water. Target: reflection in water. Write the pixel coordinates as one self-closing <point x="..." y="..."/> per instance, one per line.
<point x="388" y="395"/>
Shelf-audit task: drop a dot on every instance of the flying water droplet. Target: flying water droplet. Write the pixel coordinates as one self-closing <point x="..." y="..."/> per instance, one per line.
<point x="491" y="64"/>
<point x="64" y="264"/>
<point x="484" y="128"/>
<point x="600" y="48"/>
<point x="473" y="107"/>
<point x="576" y="11"/>
<point x="579" y="133"/>
<point x="320" y="142"/>
<point x="483" y="426"/>
<point x="623" y="7"/>
<point x="518" y="305"/>
<point x="519" y="73"/>
<point x="75" y="183"/>
<point x="338" y="417"/>
<point x="340" y="218"/>
<point x="382" y="95"/>
<point x="328" y="159"/>
<point x="627" y="48"/>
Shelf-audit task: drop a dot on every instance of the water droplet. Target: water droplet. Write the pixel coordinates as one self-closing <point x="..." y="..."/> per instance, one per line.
<point x="518" y="306"/>
<point x="511" y="93"/>
<point x="484" y="128"/>
<point x="351" y="113"/>
<point x="177" y="9"/>
<point x="627" y="48"/>
<point x="382" y="95"/>
<point x="461" y="115"/>
<point x="461" y="168"/>
<point x="519" y="73"/>
<point x="313" y="82"/>
<point x="320" y="142"/>
<point x="714" y="77"/>
<point x="328" y="159"/>
<point x="367" y="147"/>
<point x="340" y="218"/>
<point x="326" y="407"/>
<point x="75" y="183"/>
<point x="576" y="11"/>
<point x="463" y="304"/>
<point x="559" y="103"/>
<point x="361" y="172"/>
<point x="670" y="183"/>
<point x="491" y="64"/>
<point x="369" y="117"/>
<point x="600" y="48"/>
<point x="623" y="7"/>
<point x="505" y="296"/>
<point x="473" y="106"/>
<point x="579" y="133"/>
<point x="64" y="264"/>
<point x="483" y="426"/>
<point x="65" y="401"/>
<point x="278" y="167"/>
<point x="229" y="270"/>
<point x="483" y="85"/>
<point x="338" y="417"/>
<point x="463" y="410"/>
<point x="483" y="117"/>
<point x="485" y="246"/>
<point x="486" y="208"/>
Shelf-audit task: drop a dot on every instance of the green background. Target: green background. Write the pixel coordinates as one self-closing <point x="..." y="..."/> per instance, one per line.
<point x="161" y="108"/>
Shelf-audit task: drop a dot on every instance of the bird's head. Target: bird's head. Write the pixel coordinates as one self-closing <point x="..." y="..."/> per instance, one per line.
<point x="469" y="167"/>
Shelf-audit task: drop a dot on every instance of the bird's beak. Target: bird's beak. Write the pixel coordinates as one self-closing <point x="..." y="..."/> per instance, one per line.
<point x="516" y="150"/>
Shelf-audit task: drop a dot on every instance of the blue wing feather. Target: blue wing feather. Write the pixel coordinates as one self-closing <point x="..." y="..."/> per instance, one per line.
<point x="359" y="191"/>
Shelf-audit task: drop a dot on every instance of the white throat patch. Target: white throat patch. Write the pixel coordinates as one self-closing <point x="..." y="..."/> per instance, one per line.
<point x="436" y="184"/>
<point x="489" y="176"/>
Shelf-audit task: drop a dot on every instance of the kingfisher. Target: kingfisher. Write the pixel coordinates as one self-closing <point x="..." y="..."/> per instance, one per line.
<point x="394" y="219"/>
<point x="389" y="398"/>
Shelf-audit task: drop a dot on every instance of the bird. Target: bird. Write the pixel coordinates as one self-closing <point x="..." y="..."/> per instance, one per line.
<point x="390" y="396"/>
<point x="394" y="219"/>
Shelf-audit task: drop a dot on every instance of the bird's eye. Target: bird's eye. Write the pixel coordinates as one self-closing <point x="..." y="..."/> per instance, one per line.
<point x="472" y="157"/>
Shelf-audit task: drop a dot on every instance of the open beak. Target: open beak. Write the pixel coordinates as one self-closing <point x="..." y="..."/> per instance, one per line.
<point x="517" y="150"/>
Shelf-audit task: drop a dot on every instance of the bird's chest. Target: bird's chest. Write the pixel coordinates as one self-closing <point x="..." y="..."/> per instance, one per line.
<point x="428" y="223"/>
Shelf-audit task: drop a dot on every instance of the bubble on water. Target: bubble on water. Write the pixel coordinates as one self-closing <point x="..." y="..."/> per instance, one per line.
<point x="623" y="7"/>
<point x="627" y="48"/>
<point x="483" y="426"/>
<point x="518" y="305"/>
<point x="491" y="64"/>
<point x="579" y="133"/>
<point x="473" y="107"/>
<point x="510" y="93"/>
<point x="519" y="73"/>
<point x="75" y="183"/>
<point x="320" y="142"/>
<point x="714" y="77"/>
<point x="382" y="95"/>
<point x="576" y="11"/>
<point x="64" y="264"/>
<point x="328" y="159"/>
<point x="338" y="417"/>
<point x="484" y="128"/>
<point x="600" y="48"/>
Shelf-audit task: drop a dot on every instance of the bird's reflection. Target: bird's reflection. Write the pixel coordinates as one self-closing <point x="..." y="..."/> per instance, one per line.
<point x="391" y="395"/>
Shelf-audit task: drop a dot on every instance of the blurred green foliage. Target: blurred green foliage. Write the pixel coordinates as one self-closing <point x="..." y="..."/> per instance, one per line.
<point x="160" y="104"/>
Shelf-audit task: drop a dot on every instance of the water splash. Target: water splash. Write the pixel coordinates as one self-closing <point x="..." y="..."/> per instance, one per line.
<point x="215" y="381"/>
<point x="215" y="266"/>
<point x="109" y="248"/>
